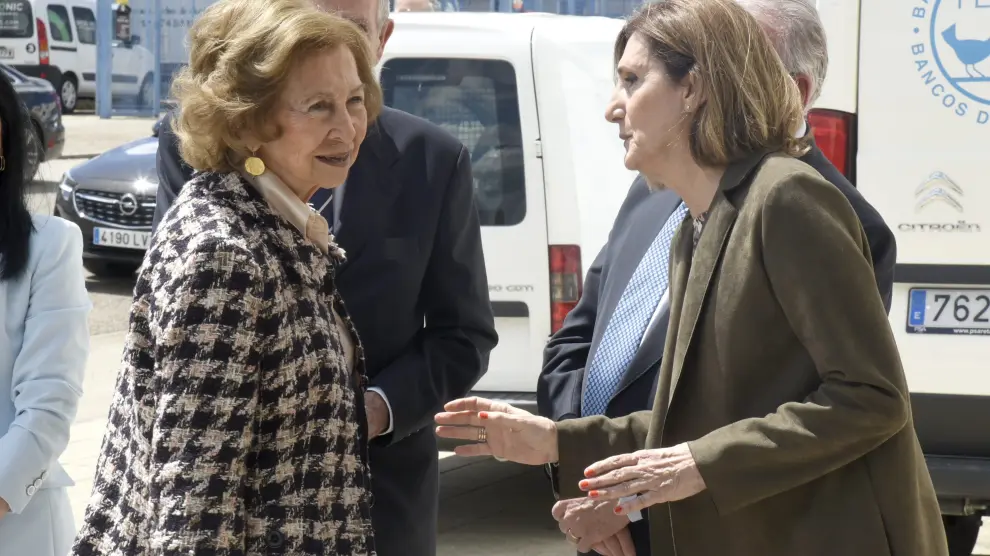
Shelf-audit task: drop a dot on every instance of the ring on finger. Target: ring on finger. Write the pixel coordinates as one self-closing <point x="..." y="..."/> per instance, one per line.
<point x="482" y="435"/>
<point x="571" y="538"/>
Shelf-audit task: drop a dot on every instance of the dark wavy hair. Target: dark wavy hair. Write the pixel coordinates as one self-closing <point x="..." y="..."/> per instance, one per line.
<point x="15" y="220"/>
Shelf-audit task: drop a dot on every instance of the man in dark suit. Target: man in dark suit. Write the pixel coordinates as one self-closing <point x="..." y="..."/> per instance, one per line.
<point x="605" y="358"/>
<point x="407" y="220"/>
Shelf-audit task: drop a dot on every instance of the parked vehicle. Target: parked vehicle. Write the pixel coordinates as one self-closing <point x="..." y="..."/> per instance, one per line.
<point x="526" y="94"/>
<point x="905" y="114"/>
<point x="56" y="40"/>
<point x="112" y="200"/>
<point x="46" y="135"/>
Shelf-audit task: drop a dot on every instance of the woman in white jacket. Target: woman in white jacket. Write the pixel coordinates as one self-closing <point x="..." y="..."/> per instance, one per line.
<point x="44" y="341"/>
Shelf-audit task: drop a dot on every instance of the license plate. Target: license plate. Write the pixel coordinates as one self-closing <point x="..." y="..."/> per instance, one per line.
<point x="125" y="239"/>
<point x="6" y="53"/>
<point x="945" y="311"/>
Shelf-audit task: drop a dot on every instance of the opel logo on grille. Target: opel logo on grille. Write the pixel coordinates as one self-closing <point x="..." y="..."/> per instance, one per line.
<point x="128" y="204"/>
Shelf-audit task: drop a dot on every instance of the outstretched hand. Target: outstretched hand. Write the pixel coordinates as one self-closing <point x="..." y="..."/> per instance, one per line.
<point x="499" y="430"/>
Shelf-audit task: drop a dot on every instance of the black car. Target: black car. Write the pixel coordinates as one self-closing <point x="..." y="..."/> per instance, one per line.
<point x="112" y="199"/>
<point x="46" y="137"/>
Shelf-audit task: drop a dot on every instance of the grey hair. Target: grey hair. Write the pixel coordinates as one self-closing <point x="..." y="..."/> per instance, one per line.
<point x="383" y="12"/>
<point x="797" y="34"/>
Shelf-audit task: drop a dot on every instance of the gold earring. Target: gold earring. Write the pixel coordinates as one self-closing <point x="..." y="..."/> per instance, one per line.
<point x="254" y="165"/>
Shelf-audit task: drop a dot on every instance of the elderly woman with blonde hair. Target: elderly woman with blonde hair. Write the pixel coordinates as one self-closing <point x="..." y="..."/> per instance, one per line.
<point x="237" y="426"/>
<point x="781" y="424"/>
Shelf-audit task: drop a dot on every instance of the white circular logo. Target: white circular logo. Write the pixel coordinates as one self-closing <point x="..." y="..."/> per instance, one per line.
<point x="952" y="54"/>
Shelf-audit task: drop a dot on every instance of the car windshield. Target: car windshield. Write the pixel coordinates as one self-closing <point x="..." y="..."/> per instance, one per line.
<point x="13" y="75"/>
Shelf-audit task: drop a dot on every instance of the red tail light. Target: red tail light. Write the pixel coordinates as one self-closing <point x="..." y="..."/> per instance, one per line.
<point x="565" y="282"/>
<point x="42" y="43"/>
<point x="835" y="134"/>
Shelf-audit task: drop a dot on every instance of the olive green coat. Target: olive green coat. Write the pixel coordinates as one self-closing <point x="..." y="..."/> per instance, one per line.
<point x="781" y="373"/>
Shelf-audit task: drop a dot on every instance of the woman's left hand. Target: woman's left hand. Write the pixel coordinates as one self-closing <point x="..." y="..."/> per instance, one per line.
<point x="657" y="476"/>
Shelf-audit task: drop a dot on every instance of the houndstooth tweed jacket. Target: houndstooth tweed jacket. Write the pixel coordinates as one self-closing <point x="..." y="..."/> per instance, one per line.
<point x="236" y="428"/>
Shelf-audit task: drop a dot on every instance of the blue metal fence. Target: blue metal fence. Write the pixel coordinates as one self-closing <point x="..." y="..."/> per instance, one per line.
<point x="134" y="76"/>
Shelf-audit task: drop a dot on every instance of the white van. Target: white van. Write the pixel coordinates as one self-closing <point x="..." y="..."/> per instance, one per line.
<point x="526" y="94"/>
<point x="905" y="114"/>
<point x="907" y="104"/>
<point x="56" y="40"/>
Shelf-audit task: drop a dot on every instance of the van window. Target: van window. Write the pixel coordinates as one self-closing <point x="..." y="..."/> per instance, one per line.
<point x="58" y="22"/>
<point x="85" y="25"/>
<point x="16" y="19"/>
<point x="476" y="101"/>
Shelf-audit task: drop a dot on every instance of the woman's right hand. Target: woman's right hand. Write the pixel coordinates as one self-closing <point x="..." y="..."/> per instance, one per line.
<point x="500" y="430"/>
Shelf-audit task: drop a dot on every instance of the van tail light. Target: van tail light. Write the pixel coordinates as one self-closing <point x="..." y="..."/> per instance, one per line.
<point x="835" y="134"/>
<point x="565" y="282"/>
<point x="42" y="43"/>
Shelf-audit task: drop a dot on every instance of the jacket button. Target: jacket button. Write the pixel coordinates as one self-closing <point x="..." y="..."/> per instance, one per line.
<point x="31" y="489"/>
<point x="275" y="539"/>
<point x="44" y="475"/>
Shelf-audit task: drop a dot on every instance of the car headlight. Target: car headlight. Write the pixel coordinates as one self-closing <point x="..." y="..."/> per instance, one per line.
<point x="66" y="186"/>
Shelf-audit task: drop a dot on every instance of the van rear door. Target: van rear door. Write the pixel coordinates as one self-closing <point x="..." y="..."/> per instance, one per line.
<point x="483" y="93"/>
<point x="18" y="45"/>
<point x="924" y="131"/>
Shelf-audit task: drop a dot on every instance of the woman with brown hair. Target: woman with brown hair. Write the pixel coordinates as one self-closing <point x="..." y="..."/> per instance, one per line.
<point x="781" y="424"/>
<point x="238" y="426"/>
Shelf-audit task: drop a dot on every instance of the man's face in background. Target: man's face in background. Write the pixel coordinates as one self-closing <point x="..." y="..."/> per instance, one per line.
<point x="364" y="13"/>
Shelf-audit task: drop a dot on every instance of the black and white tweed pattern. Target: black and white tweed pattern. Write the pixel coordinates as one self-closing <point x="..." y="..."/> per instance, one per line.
<point x="236" y="428"/>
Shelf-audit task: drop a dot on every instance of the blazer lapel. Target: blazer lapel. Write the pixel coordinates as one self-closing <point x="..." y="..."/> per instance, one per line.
<point x="370" y="187"/>
<point x="680" y="267"/>
<point x="702" y="267"/>
<point x="702" y="263"/>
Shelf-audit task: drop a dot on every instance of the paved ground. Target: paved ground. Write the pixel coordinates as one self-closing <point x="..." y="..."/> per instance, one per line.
<point x="87" y="135"/>
<point x="487" y="508"/>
